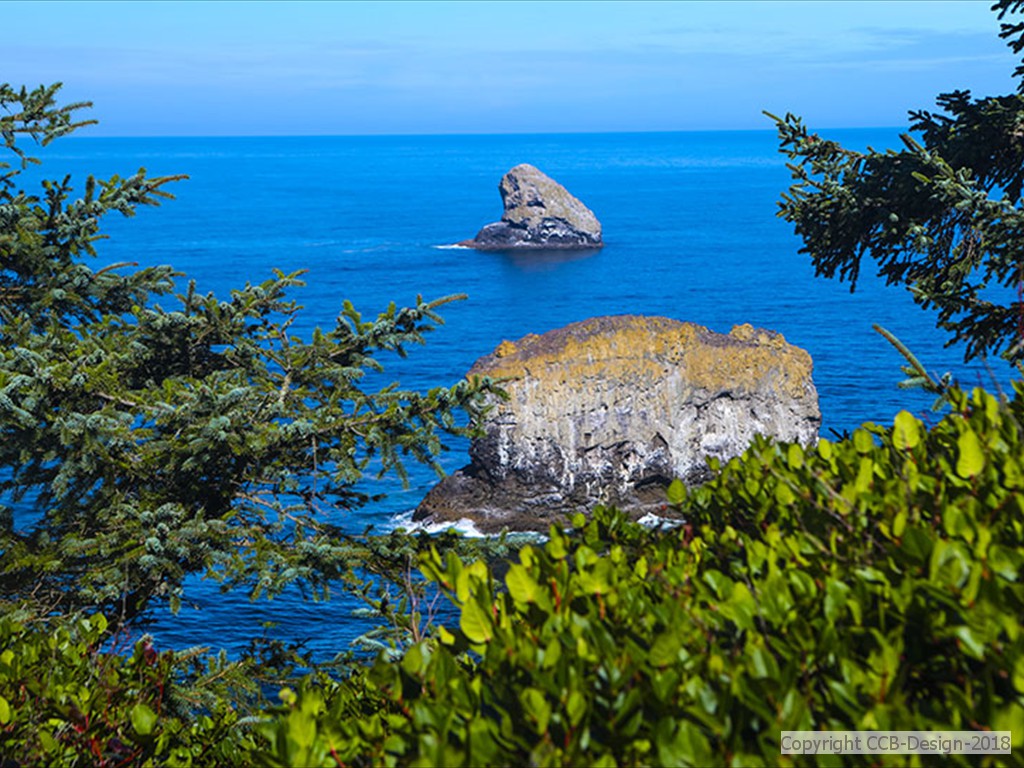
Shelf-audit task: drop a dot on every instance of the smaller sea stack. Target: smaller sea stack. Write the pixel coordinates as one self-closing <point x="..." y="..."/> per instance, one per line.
<point x="540" y="214"/>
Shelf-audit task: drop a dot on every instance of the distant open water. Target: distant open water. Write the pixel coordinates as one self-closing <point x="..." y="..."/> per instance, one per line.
<point x="691" y="232"/>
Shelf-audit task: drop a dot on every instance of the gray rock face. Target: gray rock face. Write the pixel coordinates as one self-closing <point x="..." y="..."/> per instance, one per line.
<point x="539" y="213"/>
<point x="610" y="410"/>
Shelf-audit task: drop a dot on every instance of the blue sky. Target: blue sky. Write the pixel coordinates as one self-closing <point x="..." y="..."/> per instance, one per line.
<point x="266" y="68"/>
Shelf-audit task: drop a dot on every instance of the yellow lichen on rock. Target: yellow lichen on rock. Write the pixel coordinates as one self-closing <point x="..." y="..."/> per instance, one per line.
<point x="505" y="349"/>
<point x="630" y="347"/>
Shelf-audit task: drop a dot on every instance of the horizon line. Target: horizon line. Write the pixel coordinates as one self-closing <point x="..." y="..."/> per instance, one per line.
<point x="462" y="134"/>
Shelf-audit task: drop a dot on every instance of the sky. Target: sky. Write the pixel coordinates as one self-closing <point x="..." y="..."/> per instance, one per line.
<point x="343" y="68"/>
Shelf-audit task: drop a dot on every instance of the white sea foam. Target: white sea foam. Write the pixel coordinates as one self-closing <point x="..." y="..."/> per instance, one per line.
<point x="652" y="520"/>
<point x="453" y="247"/>
<point x="468" y="528"/>
<point x="464" y="526"/>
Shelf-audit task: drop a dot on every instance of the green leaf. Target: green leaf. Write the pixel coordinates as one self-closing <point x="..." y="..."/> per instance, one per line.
<point x="1018" y="674"/>
<point x="795" y="456"/>
<point x="302" y="727"/>
<point x="536" y="707"/>
<point x="836" y="595"/>
<point x="575" y="707"/>
<point x="825" y="449"/>
<point x="906" y="431"/>
<point x="676" y="492"/>
<point x="445" y="636"/>
<point x="863" y="441"/>
<point x="865" y="475"/>
<point x="476" y="623"/>
<point x="640" y="569"/>
<point x="49" y="743"/>
<point x="1011" y="718"/>
<point x="556" y="544"/>
<point x="970" y="643"/>
<point x="719" y="582"/>
<point x="5" y="711"/>
<point x="1005" y="561"/>
<point x="143" y="719"/>
<point x="761" y="663"/>
<point x="665" y="650"/>
<point x="740" y="606"/>
<point x="552" y="653"/>
<point x="970" y="457"/>
<point x="521" y="584"/>
<point x="784" y="494"/>
<point x="413" y="660"/>
<point x="681" y="744"/>
<point x="899" y="523"/>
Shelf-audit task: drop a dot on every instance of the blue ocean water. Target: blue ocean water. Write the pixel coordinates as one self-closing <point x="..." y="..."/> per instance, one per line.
<point x="691" y="232"/>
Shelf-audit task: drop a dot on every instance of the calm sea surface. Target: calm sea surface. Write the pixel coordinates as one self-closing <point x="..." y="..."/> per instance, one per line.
<point x="689" y="222"/>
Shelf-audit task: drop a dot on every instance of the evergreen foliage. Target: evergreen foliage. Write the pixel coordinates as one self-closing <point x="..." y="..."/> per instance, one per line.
<point x="942" y="216"/>
<point x="204" y="437"/>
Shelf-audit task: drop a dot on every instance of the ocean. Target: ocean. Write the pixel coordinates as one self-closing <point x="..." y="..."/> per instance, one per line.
<point x="690" y="230"/>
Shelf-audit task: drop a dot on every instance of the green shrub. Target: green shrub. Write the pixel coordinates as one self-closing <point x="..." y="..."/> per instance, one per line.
<point x="868" y="583"/>
<point x="64" y="701"/>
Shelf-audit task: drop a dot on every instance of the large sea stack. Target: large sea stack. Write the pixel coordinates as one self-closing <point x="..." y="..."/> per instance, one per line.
<point x="539" y="214"/>
<point x="610" y="410"/>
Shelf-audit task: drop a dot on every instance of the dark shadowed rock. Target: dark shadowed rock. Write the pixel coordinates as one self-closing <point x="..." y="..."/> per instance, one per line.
<point x="610" y="410"/>
<point x="539" y="213"/>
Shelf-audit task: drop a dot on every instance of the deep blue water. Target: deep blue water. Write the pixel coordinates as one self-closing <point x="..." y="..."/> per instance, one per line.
<point x="691" y="232"/>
